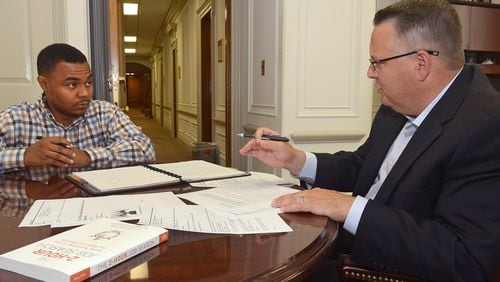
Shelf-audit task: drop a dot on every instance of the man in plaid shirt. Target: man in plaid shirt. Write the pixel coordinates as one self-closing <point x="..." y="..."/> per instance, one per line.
<point x="65" y="128"/>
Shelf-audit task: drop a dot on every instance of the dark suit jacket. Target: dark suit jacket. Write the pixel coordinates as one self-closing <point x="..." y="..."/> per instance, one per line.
<point x="437" y="214"/>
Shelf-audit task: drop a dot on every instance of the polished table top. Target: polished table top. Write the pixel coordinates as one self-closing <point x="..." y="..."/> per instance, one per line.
<point x="186" y="255"/>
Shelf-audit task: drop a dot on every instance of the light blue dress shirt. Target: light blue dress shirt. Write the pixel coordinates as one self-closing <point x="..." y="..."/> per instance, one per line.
<point x="308" y="172"/>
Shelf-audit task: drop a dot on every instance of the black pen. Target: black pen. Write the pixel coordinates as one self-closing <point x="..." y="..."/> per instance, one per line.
<point x="67" y="146"/>
<point x="266" y="137"/>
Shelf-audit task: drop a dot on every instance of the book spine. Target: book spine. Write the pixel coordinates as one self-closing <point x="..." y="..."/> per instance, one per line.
<point x="139" y="248"/>
<point x="126" y="266"/>
<point x="162" y="171"/>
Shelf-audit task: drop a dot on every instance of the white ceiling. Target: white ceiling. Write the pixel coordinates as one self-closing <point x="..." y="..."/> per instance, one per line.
<point x="146" y="25"/>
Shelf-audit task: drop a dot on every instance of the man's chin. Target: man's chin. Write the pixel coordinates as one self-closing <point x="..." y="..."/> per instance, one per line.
<point x="80" y="109"/>
<point x="79" y="112"/>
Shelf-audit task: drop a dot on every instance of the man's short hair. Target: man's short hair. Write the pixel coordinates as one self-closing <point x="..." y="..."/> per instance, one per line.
<point x="427" y="24"/>
<point x="53" y="54"/>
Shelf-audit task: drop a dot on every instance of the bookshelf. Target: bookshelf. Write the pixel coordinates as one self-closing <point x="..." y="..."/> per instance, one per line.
<point x="481" y="34"/>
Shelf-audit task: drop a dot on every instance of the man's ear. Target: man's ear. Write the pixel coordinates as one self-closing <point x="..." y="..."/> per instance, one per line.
<point x="42" y="81"/>
<point x="424" y="64"/>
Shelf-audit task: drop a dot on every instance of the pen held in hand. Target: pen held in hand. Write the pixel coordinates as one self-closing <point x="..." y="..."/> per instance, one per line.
<point x="67" y="146"/>
<point x="266" y="137"/>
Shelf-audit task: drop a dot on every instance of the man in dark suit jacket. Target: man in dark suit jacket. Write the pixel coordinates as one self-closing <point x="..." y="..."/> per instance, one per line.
<point x="426" y="183"/>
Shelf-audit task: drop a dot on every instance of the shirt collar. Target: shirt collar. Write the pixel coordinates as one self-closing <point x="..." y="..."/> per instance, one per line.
<point x="417" y="121"/>
<point x="42" y="104"/>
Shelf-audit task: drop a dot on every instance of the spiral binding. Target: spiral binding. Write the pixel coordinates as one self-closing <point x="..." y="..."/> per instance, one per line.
<point x="162" y="171"/>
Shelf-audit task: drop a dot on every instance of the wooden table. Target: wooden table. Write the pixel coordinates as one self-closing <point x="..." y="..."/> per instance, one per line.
<point x="204" y="257"/>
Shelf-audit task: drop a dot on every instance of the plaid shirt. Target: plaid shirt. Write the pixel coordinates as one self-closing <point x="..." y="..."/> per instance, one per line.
<point x="107" y="134"/>
<point x="13" y="199"/>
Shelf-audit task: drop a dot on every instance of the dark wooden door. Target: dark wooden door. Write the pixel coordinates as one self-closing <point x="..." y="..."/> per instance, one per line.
<point x="206" y="78"/>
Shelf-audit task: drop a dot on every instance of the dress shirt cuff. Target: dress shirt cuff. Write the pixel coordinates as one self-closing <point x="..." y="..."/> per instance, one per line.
<point x="99" y="158"/>
<point x="11" y="159"/>
<point x="308" y="172"/>
<point x="354" y="215"/>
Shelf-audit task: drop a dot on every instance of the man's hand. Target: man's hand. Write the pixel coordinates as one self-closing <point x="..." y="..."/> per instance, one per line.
<point x="81" y="159"/>
<point x="318" y="201"/>
<point x="56" y="152"/>
<point x="49" y="151"/>
<point x="273" y="153"/>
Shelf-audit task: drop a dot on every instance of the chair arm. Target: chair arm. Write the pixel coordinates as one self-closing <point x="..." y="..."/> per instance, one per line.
<point x="350" y="272"/>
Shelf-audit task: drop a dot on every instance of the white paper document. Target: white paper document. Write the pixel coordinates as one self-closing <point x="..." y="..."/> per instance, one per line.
<point x="239" y="199"/>
<point x="78" y="211"/>
<point x="252" y="178"/>
<point x="201" y="219"/>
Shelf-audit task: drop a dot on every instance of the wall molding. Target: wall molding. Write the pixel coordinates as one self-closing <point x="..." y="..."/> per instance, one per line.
<point x="346" y="103"/>
<point x="186" y="113"/>
<point x="59" y="19"/>
<point x="204" y="8"/>
<point x="250" y="128"/>
<point x="220" y="122"/>
<point x="268" y="84"/>
<point x="307" y="137"/>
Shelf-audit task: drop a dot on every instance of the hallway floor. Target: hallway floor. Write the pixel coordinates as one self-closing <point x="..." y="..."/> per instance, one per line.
<point x="168" y="149"/>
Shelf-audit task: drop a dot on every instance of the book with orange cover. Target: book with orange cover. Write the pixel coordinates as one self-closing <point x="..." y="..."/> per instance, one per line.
<point x="82" y="252"/>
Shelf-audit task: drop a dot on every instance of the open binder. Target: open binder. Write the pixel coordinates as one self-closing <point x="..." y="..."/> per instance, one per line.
<point x="108" y="181"/>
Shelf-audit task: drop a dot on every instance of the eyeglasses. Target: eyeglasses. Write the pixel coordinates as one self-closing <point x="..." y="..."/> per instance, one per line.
<point x="374" y="63"/>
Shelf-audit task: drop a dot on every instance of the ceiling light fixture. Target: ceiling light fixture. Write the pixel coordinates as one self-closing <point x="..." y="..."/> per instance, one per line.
<point x="130" y="38"/>
<point x="130" y="50"/>
<point x="130" y="8"/>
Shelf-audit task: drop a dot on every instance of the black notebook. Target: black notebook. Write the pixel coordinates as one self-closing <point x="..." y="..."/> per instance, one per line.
<point x="105" y="181"/>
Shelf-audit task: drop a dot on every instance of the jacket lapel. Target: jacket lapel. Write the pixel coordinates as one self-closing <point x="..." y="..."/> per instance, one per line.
<point x="428" y="131"/>
<point x="387" y="130"/>
<point x="423" y="138"/>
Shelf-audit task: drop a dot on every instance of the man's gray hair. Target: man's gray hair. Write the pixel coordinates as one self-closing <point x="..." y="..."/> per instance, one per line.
<point x="427" y="24"/>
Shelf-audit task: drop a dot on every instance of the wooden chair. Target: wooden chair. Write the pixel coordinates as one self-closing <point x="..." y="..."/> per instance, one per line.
<point x="350" y="272"/>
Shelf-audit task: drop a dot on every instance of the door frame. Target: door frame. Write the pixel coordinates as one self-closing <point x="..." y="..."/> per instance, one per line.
<point x="107" y="56"/>
<point x="174" y="90"/>
<point x="229" y="105"/>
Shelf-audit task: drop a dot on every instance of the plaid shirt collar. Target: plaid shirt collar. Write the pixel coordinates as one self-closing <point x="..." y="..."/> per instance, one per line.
<point x="44" y="108"/>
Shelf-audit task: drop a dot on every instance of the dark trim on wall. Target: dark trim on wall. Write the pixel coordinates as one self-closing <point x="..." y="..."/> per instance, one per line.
<point x="229" y="122"/>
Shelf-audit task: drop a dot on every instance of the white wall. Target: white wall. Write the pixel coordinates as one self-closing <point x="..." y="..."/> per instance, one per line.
<point x="261" y="47"/>
<point x="315" y="89"/>
<point x="327" y="93"/>
<point x="187" y="91"/>
<point x="26" y="27"/>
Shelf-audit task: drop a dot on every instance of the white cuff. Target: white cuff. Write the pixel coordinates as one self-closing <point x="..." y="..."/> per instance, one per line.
<point x="352" y="220"/>
<point x="308" y="172"/>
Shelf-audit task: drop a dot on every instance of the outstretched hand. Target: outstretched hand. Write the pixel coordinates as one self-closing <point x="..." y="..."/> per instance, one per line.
<point x="273" y="153"/>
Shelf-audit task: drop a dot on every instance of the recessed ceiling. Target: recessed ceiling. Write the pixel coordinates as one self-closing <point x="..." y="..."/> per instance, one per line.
<point x="146" y="25"/>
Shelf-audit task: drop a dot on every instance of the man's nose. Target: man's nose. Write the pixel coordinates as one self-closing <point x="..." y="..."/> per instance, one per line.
<point x="85" y="91"/>
<point x="371" y="73"/>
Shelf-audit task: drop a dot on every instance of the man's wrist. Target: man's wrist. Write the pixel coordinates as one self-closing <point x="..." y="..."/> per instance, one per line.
<point x="297" y="162"/>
